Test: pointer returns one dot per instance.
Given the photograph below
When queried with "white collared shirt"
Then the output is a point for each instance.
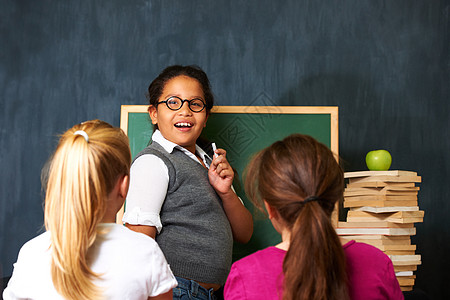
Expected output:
(149, 180)
(142, 273)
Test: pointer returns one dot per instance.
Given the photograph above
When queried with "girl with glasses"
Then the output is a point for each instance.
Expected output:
(182, 196)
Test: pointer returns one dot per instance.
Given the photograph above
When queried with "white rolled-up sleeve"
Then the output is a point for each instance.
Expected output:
(149, 179)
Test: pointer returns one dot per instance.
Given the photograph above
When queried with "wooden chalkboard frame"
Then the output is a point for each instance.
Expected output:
(332, 111)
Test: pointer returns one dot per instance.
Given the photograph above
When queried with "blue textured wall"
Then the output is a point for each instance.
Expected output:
(384, 63)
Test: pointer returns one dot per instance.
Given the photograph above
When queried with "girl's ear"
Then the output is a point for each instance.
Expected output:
(273, 213)
(153, 113)
(124, 183)
(116, 199)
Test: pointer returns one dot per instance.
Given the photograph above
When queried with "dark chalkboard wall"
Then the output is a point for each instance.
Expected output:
(384, 63)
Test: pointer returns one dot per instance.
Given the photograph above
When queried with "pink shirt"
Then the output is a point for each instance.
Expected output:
(260, 275)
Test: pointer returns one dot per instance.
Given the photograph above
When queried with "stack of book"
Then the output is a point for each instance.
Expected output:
(383, 208)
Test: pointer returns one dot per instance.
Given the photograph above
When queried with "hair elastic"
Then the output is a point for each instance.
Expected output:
(83, 134)
(310, 199)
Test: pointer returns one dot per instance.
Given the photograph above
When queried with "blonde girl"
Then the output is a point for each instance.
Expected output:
(84, 254)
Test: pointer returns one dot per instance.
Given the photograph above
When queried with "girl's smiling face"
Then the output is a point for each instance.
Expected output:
(182, 126)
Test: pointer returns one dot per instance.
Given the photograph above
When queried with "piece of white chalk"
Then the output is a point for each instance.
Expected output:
(214, 149)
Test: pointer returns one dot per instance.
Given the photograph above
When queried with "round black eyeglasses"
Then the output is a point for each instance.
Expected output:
(175, 103)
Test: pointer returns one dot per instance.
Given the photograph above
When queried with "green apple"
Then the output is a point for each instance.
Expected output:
(378, 160)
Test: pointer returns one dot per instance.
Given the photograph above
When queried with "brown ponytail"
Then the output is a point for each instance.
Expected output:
(286, 174)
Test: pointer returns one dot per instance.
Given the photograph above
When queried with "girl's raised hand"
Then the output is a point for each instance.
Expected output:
(221, 178)
(220, 173)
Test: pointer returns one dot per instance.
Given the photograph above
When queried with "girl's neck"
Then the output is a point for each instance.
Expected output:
(283, 245)
(191, 149)
(108, 218)
(285, 237)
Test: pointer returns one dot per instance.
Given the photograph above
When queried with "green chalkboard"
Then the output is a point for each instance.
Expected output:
(242, 131)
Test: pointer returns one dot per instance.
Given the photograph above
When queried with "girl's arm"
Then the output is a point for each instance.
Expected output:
(221, 178)
(149, 179)
(145, 229)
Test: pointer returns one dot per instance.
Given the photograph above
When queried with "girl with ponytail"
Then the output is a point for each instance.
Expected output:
(298, 182)
(84, 254)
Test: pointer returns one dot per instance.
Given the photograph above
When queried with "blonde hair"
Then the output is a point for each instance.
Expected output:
(82, 172)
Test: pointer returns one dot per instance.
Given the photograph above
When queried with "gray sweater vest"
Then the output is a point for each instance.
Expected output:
(196, 236)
